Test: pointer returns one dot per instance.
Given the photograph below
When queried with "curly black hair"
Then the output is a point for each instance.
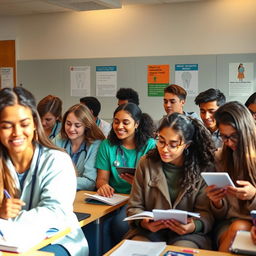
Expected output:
(128, 94)
(144, 131)
(199, 156)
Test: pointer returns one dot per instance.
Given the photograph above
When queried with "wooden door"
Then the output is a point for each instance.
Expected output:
(8, 57)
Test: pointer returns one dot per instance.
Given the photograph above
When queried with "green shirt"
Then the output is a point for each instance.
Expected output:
(108, 153)
(174, 175)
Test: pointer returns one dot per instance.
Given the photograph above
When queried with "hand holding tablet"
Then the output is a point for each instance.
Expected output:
(220, 179)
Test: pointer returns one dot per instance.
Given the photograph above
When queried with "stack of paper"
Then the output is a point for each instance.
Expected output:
(114, 200)
(131, 248)
(16, 237)
(157, 214)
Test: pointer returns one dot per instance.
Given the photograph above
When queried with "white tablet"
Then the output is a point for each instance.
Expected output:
(220, 179)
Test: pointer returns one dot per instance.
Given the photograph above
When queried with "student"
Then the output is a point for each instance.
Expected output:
(130, 138)
(174, 100)
(232, 205)
(81, 137)
(168, 177)
(39, 177)
(251, 105)
(125, 95)
(94, 105)
(49, 109)
(209, 101)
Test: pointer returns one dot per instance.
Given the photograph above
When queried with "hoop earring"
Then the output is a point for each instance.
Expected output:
(186, 152)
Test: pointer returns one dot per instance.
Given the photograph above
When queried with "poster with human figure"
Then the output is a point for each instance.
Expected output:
(241, 79)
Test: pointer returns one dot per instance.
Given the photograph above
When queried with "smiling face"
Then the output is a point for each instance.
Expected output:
(229, 136)
(207, 111)
(124, 125)
(172, 103)
(74, 128)
(170, 146)
(17, 129)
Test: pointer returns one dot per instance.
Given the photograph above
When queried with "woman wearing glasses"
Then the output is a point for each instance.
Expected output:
(232, 205)
(168, 177)
(81, 137)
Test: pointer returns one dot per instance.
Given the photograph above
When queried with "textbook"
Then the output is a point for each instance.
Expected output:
(114, 200)
(137, 248)
(17, 237)
(243, 244)
(156, 214)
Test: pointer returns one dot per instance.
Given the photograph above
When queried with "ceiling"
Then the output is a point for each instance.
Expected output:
(27, 7)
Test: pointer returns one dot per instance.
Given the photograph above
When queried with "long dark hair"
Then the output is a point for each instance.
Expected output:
(240, 163)
(199, 155)
(145, 128)
(11, 97)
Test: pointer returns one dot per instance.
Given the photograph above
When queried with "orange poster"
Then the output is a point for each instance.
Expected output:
(158, 79)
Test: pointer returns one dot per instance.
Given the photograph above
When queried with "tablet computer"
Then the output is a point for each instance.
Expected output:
(129, 170)
(220, 179)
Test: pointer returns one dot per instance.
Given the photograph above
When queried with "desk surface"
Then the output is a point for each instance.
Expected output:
(179, 249)
(33, 251)
(96, 210)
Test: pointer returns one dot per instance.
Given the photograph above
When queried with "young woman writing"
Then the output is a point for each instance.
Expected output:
(81, 137)
(39, 178)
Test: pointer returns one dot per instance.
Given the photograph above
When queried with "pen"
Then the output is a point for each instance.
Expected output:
(190, 250)
(7, 195)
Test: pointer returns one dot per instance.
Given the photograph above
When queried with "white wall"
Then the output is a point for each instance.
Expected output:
(208, 27)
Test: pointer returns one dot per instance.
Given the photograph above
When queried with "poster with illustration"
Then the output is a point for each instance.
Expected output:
(186, 75)
(241, 79)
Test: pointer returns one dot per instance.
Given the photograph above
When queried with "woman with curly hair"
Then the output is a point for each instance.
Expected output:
(232, 205)
(130, 138)
(168, 177)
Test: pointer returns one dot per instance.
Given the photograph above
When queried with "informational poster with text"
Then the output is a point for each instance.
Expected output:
(186, 75)
(80, 81)
(158, 79)
(241, 79)
(6, 77)
(106, 81)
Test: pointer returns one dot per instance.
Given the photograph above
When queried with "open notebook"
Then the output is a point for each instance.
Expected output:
(16, 237)
(243, 244)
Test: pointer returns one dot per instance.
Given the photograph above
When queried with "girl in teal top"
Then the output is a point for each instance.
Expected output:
(130, 138)
(81, 137)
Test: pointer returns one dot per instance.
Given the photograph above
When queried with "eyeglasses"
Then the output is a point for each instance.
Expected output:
(171, 147)
(232, 137)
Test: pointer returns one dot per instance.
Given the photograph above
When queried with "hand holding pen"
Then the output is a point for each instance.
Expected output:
(10, 207)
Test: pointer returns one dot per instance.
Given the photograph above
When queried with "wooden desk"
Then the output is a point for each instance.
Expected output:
(179, 249)
(97, 212)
